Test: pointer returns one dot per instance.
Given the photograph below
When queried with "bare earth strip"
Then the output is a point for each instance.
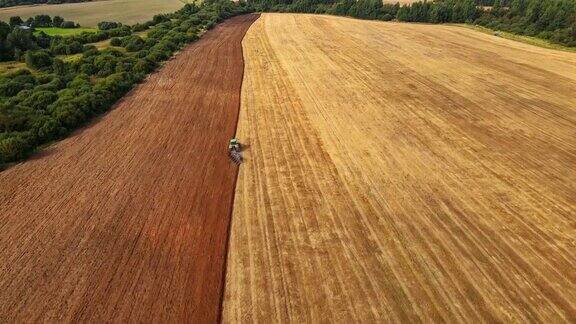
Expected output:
(89, 14)
(128, 219)
(402, 173)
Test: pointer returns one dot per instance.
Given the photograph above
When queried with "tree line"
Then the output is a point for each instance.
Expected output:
(56, 97)
(554, 20)
(42, 21)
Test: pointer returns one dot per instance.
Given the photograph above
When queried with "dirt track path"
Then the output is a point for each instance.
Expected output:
(128, 219)
(402, 172)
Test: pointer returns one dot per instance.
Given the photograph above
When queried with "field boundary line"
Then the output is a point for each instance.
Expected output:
(231, 213)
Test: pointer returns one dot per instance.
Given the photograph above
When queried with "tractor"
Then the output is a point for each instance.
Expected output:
(234, 145)
(235, 151)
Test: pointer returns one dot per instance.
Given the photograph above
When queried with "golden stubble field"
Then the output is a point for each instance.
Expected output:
(400, 172)
(89, 14)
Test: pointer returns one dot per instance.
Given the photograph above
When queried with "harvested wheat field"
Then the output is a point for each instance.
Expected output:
(403, 173)
(89, 14)
(128, 219)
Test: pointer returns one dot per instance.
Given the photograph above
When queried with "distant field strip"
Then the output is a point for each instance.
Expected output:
(402, 172)
(89, 14)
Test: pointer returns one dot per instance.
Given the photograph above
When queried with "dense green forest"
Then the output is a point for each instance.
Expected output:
(12, 3)
(57, 96)
(554, 20)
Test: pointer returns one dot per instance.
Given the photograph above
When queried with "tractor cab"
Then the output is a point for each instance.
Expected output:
(234, 145)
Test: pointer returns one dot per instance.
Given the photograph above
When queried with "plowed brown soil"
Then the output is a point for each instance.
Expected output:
(128, 219)
(402, 173)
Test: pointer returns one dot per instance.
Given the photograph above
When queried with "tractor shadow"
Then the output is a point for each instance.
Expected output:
(244, 147)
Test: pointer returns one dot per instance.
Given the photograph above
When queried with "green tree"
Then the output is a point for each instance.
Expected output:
(20, 39)
(16, 21)
(57, 21)
(4, 31)
(13, 148)
(38, 59)
(42, 21)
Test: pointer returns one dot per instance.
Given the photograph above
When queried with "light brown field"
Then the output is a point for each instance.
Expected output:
(404, 173)
(89, 14)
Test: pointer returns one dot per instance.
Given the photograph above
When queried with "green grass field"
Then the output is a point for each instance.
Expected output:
(53, 31)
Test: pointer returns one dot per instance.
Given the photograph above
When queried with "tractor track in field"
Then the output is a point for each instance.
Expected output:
(128, 219)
